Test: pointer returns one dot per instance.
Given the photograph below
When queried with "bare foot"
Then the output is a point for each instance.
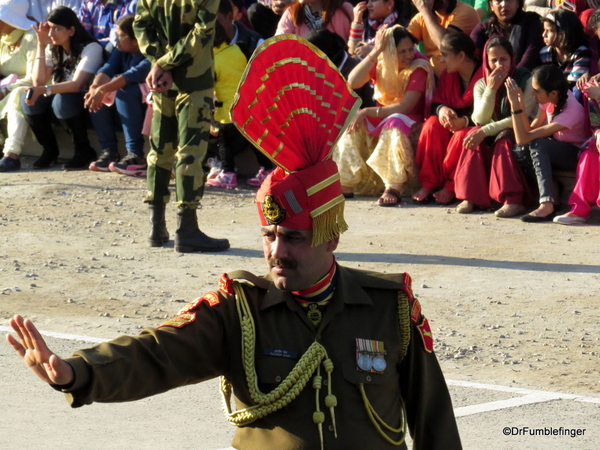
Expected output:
(444, 196)
(390, 197)
(422, 194)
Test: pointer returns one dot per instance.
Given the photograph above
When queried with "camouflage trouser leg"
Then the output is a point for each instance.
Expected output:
(179, 137)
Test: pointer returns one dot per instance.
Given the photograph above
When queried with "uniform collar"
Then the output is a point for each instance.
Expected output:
(348, 291)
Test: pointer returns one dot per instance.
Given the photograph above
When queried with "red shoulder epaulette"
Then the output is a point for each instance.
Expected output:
(225, 284)
(187, 315)
(417, 317)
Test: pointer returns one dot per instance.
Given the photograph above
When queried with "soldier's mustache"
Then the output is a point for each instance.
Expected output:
(284, 263)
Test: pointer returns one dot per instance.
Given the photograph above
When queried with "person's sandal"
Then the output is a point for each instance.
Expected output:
(391, 192)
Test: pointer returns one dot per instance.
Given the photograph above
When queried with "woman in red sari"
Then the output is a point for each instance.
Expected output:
(487, 170)
(452, 104)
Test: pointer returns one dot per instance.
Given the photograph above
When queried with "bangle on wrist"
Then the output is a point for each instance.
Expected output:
(48, 92)
(518, 111)
(40, 57)
(377, 111)
(374, 61)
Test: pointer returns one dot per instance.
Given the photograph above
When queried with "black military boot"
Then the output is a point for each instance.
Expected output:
(84, 154)
(188, 238)
(158, 226)
(41, 125)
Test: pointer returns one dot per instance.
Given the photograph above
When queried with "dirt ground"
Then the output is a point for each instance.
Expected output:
(509, 302)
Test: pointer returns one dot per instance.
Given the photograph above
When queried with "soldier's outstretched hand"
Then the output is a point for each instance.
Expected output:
(35, 353)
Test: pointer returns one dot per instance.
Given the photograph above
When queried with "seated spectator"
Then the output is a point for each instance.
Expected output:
(17, 56)
(453, 106)
(592, 31)
(68, 57)
(335, 48)
(230, 64)
(586, 193)
(368, 17)
(264, 15)
(523, 30)
(122, 79)
(486, 169)
(237, 34)
(554, 136)
(376, 149)
(39, 9)
(436, 18)
(98, 17)
(566, 46)
(308, 15)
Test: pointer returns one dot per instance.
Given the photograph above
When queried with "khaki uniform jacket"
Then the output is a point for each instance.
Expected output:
(178, 35)
(365, 305)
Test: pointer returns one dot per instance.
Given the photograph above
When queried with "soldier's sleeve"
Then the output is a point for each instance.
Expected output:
(198, 38)
(191, 347)
(426, 398)
(149, 35)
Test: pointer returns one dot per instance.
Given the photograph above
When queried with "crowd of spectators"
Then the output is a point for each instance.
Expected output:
(472, 101)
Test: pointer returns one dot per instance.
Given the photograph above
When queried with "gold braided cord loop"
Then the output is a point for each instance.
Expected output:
(404, 319)
(289, 388)
(378, 421)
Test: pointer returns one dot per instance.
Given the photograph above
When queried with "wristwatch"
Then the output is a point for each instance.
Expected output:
(48, 91)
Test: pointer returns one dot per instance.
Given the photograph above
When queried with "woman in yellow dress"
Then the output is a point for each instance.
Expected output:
(376, 150)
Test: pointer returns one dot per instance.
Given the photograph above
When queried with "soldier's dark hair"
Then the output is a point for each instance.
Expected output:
(125, 23)
(551, 78)
(459, 42)
(67, 18)
(225, 7)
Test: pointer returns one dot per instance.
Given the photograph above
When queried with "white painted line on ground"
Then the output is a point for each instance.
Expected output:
(503, 404)
(71, 337)
(530, 396)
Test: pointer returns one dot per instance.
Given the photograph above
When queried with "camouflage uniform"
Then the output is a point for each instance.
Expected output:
(178, 35)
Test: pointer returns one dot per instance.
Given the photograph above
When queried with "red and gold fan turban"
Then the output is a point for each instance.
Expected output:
(293, 105)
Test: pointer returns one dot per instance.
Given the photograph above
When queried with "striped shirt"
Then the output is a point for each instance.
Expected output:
(573, 67)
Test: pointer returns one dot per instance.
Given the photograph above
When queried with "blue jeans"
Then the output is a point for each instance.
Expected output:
(130, 111)
(64, 106)
(547, 154)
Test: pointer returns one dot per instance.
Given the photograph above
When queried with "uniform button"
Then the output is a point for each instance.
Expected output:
(368, 378)
(330, 427)
(278, 378)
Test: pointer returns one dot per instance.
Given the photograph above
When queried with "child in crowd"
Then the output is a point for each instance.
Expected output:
(68, 57)
(587, 185)
(230, 64)
(566, 46)
(122, 80)
(555, 135)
